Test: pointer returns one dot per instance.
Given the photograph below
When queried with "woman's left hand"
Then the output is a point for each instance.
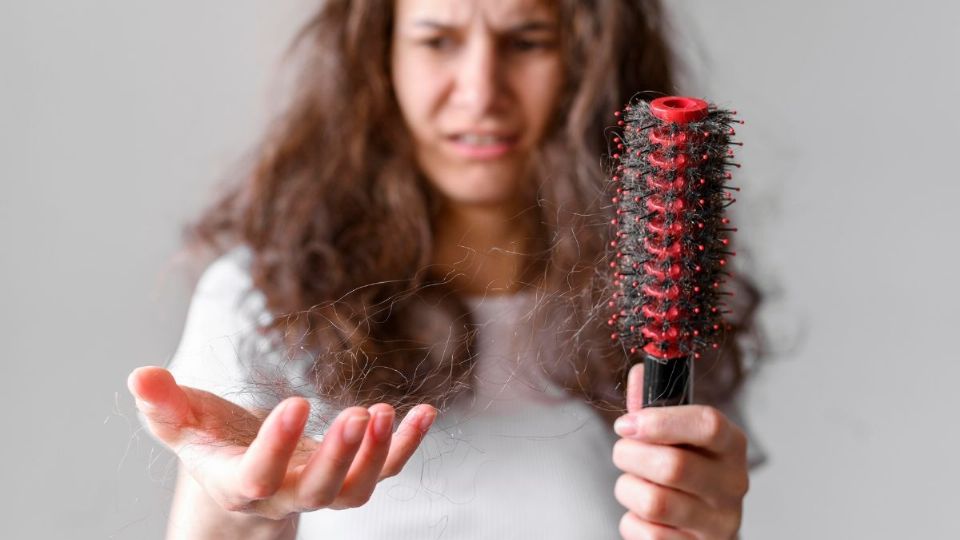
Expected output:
(685, 470)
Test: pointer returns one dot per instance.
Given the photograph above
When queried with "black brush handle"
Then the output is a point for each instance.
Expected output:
(667, 382)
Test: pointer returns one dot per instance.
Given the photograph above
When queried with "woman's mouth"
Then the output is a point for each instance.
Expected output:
(482, 145)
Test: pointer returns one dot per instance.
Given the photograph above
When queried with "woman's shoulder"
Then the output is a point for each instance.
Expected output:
(228, 274)
(226, 286)
(221, 349)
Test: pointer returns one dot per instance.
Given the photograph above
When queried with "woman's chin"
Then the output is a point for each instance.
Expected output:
(468, 190)
(482, 196)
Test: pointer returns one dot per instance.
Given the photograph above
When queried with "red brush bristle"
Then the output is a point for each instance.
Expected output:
(671, 163)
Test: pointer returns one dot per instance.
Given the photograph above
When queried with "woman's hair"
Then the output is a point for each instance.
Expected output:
(339, 218)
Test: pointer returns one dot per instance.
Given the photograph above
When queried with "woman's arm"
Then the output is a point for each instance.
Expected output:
(249, 466)
(194, 515)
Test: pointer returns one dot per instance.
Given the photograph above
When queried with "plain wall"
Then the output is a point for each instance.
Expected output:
(118, 118)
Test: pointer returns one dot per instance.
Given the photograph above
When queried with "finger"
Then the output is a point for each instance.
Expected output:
(365, 471)
(635, 388)
(163, 403)
(678, 468)
(696, 425)
(264, 465)
(405, 442)
(662, 506)
(634, 528)
(322, 477)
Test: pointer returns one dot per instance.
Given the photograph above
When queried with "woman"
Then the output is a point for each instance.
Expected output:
(420, 235)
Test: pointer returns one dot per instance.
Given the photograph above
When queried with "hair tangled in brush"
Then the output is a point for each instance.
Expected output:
(672, 235)
(339, 218)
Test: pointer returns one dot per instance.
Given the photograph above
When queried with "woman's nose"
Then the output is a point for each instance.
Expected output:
(478, 83)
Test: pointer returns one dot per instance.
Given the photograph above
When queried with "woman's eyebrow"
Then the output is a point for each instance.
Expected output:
(532, 26)
(427, 23)
(526, 26)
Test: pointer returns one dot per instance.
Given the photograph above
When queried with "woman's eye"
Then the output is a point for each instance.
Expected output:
(438, 43)
(524, 45)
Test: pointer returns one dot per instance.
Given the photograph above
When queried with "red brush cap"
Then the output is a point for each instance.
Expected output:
(678, 109)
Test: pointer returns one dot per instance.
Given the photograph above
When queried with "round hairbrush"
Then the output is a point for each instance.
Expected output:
(671, 168)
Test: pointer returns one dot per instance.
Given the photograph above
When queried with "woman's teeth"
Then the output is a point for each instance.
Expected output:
(481, 140)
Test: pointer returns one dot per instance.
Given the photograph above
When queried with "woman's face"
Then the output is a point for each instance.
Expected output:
(477, 82)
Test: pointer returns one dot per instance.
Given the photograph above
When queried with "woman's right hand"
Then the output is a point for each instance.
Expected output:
(267, 467)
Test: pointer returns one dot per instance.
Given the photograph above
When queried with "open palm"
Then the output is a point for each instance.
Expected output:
(259, 462)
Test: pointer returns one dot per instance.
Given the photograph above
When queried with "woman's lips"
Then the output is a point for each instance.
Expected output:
(482, 146)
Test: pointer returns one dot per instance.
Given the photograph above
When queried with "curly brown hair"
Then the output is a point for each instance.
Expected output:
(339, 218)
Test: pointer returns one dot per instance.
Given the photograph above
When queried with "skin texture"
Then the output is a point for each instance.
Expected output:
(685, 470)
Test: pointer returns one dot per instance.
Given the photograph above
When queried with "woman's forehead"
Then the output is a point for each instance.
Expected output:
(495, 13)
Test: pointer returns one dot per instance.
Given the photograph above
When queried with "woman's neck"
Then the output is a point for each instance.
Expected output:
(486, 249)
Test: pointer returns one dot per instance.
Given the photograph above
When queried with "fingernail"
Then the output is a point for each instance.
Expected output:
(289, 419)
(145, 406)
(425, 420)
(353, 430)
(625, 427)
(382, 425)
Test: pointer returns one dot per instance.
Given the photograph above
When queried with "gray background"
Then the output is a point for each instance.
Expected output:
(118, 117)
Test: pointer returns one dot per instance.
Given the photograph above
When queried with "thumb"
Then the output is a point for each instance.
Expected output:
(164, 404)
(635, 388)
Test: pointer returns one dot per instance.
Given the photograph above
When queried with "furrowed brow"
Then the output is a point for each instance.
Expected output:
(526, 26)
(531, 26)
(433, 25)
